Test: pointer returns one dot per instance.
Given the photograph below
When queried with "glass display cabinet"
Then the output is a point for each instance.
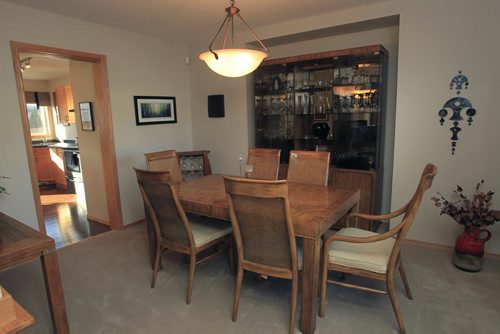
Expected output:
(329, 101)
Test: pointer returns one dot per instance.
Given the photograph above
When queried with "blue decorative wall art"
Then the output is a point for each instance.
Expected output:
(455, 107)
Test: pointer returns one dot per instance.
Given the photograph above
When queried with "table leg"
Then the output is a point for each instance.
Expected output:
(310, 283)
(55, 294)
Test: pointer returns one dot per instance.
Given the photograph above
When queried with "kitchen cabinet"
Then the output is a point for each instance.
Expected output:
(57, 158)
(65, 104)
(43, 165)
(194, 164)
(330, 101)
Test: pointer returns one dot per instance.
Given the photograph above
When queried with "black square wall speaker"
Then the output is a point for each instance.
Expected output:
(215, 105)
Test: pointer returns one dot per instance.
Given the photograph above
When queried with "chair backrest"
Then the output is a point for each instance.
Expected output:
(308, 167)
(262, 225)
(163, 207)
(265, 162)
(425, 183)
(165, 161)
(411, 210)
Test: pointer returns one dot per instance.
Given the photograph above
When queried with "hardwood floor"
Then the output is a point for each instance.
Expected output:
(66, 217)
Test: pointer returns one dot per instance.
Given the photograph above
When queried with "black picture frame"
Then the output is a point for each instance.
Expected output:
(155, 110)
(86, 116)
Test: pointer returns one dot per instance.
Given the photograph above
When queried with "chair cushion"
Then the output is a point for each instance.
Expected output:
(207, 229)
(373, 256)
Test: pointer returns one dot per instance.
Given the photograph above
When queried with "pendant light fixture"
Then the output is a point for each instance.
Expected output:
(233, 62)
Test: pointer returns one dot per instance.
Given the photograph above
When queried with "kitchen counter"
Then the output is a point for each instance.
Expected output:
(66, 146)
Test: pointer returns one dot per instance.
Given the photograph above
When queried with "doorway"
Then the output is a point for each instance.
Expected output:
(103, 136)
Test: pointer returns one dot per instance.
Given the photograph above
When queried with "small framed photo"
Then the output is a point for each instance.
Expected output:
(154, 110)
(86, 116)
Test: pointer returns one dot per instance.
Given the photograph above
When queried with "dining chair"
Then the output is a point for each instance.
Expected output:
(369, 254)
(263, 233)
(309, 167)
(265, 163)
(174, 230)
(165, 161)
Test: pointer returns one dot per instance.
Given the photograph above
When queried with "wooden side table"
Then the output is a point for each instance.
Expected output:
(20, 244)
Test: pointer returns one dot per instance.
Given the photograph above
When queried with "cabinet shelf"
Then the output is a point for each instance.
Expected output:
(347, 85)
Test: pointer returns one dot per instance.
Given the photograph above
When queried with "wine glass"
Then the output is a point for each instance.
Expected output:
(248, 171)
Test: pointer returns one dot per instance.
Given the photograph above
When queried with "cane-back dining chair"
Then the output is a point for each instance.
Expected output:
(165, 161)
(308, 167)
(263, 233)
(265, 162)
(369, 254)
(175, 230)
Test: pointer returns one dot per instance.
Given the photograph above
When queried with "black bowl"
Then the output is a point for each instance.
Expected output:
(321, 130)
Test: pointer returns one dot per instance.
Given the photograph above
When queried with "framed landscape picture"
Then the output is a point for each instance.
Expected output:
(86, 116)
(154, 110)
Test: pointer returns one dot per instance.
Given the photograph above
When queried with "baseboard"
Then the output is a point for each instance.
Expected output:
(98, 220)
(440, 246)
(141, 221)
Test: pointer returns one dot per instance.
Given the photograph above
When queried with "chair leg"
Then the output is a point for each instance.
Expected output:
(156, 265)
(237, 291)
(293, 306)
(392, 296)
(405, 281)
(192, 265)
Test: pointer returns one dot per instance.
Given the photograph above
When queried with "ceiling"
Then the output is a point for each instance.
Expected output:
(45, 67)
(186, 20)
(196, 19)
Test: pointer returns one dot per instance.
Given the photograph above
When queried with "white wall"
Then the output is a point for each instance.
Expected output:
(82, 78)
(436, 39)
(133, 69)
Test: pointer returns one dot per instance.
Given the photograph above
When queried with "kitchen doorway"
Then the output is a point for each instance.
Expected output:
(71, 203)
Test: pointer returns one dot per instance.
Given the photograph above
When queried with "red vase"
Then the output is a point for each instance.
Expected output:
(472, 241)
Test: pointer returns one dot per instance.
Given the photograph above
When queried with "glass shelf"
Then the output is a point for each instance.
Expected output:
(344, 90)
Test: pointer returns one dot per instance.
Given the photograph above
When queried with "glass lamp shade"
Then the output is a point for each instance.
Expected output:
(233, 62)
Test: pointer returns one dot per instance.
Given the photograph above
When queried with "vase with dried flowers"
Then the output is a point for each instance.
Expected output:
(474, 214)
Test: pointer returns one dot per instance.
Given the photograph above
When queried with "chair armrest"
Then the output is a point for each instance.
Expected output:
(389, 234)
(376, 217)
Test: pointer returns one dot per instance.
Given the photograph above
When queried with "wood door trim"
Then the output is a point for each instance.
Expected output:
(102, 101)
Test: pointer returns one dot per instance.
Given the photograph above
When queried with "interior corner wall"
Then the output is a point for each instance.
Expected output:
(388, 37)
(227, 137)
(133, 69)
(437, 40)
(89, 144)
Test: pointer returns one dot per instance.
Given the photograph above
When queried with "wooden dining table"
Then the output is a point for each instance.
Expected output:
(20, 244)
(314, 210)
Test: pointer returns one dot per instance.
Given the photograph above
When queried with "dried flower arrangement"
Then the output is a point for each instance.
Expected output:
(472, 213)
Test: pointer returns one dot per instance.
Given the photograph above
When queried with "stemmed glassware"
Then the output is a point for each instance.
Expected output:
(248, 171)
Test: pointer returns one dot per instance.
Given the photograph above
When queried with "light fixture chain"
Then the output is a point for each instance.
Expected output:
(215, 37)
(224, 39)
(232, 29)
(254, 34)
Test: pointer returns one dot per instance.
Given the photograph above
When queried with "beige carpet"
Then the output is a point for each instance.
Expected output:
(57, 198)
(106, 283)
